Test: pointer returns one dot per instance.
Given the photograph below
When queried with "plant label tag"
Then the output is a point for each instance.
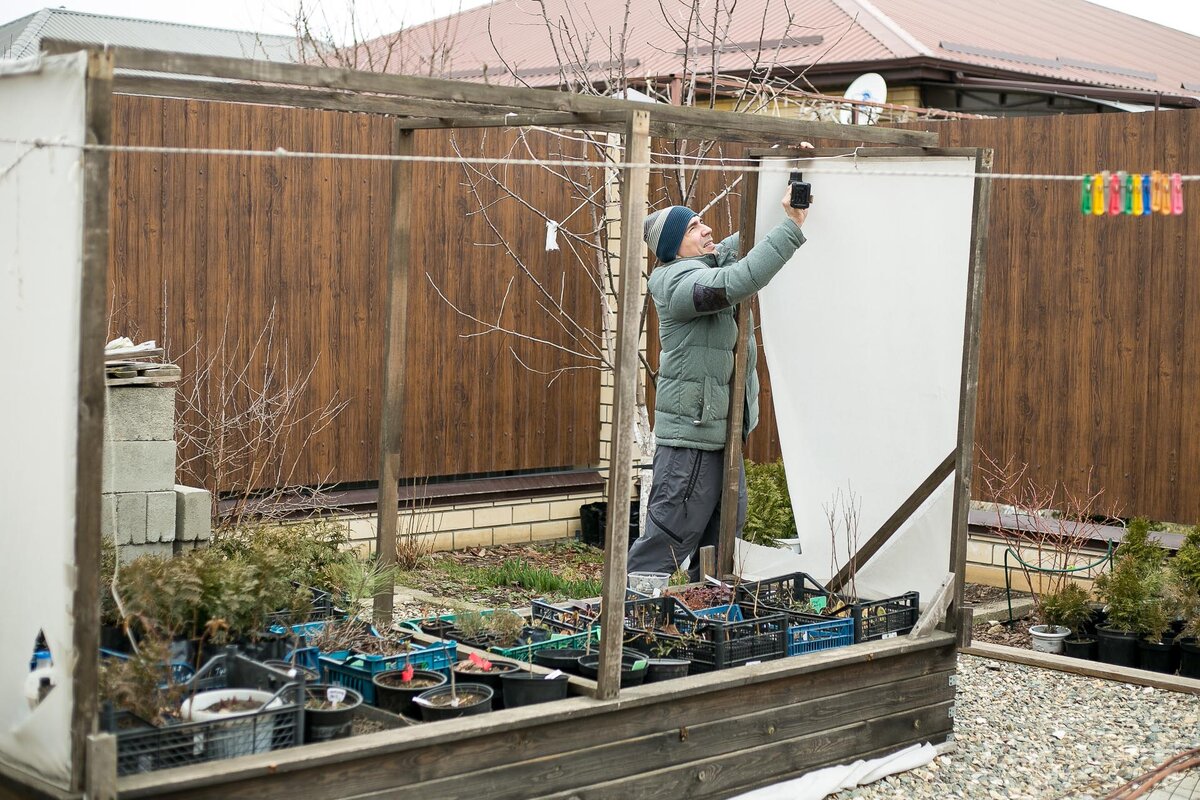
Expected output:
(557, 673)
(891, 635)
(335, 694)
(422, 701)
(751, 663)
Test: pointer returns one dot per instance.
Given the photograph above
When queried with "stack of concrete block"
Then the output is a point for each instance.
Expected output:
(140, 504)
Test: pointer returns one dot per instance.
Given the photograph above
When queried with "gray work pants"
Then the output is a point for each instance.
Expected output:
(685, 510)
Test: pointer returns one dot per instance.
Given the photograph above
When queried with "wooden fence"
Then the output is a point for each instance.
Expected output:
(265, 279)
(1087, 366)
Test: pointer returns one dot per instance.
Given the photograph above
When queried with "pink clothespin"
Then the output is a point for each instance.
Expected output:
(1176, 193)
(1114, 194)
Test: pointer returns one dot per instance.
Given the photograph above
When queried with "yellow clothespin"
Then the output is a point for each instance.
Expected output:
(1099, 185)
(1137, 195)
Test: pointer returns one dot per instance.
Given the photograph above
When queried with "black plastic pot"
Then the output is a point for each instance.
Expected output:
(1116, 647)
(475, 699)
(1099, 617)
(664, 669)
(566, 659)
(1083, 647)
(491, 678)
(1189, 658)
(324, 724)
(589, 667)
(439, 628)
(394, 695)
(1158, 656)
(524, 689)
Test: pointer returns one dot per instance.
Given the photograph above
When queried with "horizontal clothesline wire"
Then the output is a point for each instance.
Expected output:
(533, 162)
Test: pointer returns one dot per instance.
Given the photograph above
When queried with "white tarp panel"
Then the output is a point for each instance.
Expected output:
(863, 332)
(41, 240)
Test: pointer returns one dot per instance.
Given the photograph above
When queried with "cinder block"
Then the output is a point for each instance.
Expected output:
(129, 553)
(160, 516)
(130, 518)
(138, 467)
(108, 510)
(139, 414)
(193, 514)
(473, 538)
(565, 509)
(513, 534)
(457, 520)
(979, 552)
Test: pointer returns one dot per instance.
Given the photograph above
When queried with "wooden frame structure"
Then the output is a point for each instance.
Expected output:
(708, 735)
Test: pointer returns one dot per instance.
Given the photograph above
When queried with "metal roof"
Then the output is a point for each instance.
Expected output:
(1071, 41)
(22, 37)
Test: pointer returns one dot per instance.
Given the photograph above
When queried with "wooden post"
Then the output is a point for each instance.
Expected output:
(708, 562)
(634, 195)
(101, 767)
(969, 389)
(90, 435)
(737, 387)
(391, 423)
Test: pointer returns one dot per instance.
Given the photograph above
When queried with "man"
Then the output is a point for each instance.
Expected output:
(695, 288)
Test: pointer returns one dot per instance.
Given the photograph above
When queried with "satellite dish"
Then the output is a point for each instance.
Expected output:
(870, 88)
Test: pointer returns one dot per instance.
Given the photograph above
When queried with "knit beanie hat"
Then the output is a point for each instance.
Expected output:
(664, 230)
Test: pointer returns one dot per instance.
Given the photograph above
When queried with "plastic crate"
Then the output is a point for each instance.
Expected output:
(794, 594)
(561, 641)
(819, 635)
(320, 607)
(144, 748)
(709, 643)
(730, 613)
(355, 671)
(574, 616)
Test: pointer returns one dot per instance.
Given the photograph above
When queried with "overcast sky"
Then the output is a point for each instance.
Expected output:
(382, 16)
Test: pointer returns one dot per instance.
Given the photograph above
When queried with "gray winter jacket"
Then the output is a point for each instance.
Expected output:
(695, 300)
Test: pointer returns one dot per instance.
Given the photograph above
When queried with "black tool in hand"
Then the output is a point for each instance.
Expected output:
(801, 191)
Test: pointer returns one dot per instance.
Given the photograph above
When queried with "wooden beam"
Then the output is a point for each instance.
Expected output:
(1080, 666)
(969, 389)
(102, 767)
(587, 120)
(89, 443)
(698, 123)
(300, 97)
(893, 523)
(708, 562)
(395, 337)
(737, 386)
(935, 611)
(635, 189)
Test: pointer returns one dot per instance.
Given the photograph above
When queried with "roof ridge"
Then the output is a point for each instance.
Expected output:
(883, 28)
(68, 11)
(28, 36)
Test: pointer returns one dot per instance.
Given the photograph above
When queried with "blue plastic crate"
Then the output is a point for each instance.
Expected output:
(355, 672)
(731, 612)
(820, 635)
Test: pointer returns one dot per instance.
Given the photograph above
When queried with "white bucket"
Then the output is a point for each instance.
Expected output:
(1048, 638)
(651, 584)
(245, 732)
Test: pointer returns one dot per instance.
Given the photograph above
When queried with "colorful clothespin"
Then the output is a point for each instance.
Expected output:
(1147, 194)
(1085, 196)
(1136, 192)
(1165, 193)
(1114, 194)
(1126, 193)
(1176, 193)
(1099, 188)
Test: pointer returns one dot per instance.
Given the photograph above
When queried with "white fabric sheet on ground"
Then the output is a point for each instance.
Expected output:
(863, 332)
(41, 245)
(824, 782)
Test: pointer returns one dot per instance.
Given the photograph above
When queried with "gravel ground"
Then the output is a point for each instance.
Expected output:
(1024, 732)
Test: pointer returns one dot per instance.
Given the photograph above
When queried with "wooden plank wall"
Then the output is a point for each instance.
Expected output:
(1088, 360)
(710, 736)
(206, 250)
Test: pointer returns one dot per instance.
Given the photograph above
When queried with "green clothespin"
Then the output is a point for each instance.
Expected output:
(1127, 193)
(1085, 197)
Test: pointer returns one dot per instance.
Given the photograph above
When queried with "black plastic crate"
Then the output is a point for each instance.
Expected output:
(320, 607)
(571, 616)
(709, 643)
(803, 598)
(142, 747)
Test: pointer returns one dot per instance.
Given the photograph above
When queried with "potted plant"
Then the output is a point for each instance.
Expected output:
(329, 712)
(396, 689)
(1063, 614)
(454, 699)
(1128, 589)
(478, 669)
(1183, 589)
(244, 729)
